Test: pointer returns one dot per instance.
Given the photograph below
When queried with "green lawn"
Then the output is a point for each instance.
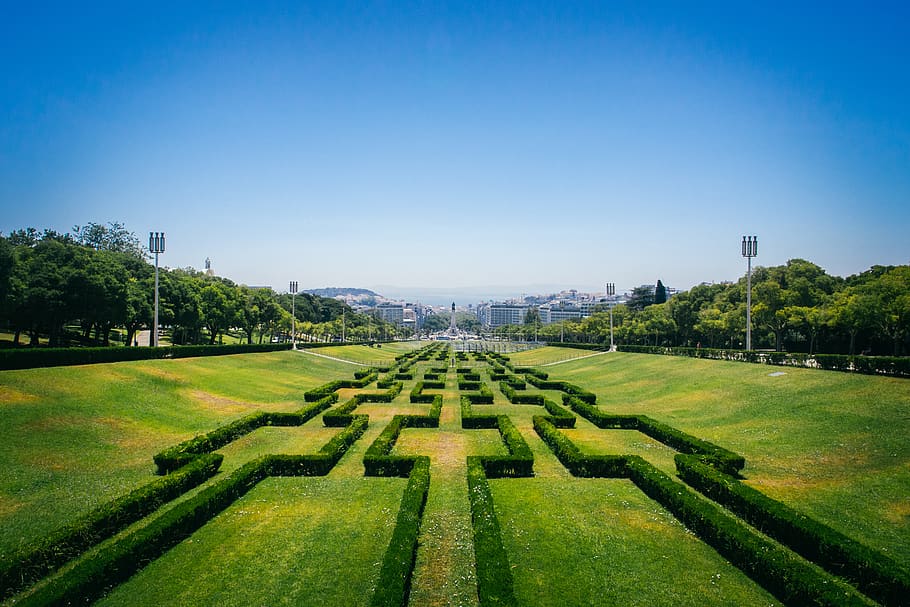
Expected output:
(832, 445)
(613, 546)
(76, 437)
(289, 541)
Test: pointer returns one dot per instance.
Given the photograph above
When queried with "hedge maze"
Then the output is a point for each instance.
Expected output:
(795, 558)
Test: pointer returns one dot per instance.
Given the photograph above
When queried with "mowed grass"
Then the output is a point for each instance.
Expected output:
(603, 542)
(75, 437)
(289, 541)
(833, 445)
(320, 541)
(382, 353)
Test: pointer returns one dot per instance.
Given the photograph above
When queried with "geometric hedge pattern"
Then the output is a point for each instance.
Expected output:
(795, 558)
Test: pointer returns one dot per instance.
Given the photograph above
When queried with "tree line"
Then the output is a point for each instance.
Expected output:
(797, 307)
(84, 286)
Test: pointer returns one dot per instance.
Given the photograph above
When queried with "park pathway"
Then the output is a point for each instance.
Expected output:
(444, 573)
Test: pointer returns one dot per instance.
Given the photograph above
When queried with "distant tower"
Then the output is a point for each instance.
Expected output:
(208, 267)
(452, 328)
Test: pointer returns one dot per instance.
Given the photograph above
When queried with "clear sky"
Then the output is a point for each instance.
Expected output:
(508, 145)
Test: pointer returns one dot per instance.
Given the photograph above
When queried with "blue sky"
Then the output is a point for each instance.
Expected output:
(515, 146)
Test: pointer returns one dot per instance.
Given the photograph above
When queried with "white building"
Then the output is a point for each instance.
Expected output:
(507, 314)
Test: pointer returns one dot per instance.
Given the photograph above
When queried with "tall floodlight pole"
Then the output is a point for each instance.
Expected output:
(750, 250)
(156, 246)
(343, 339)
(293, 288)
(611, 291)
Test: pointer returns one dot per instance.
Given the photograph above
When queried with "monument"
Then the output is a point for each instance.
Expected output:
(453, 330)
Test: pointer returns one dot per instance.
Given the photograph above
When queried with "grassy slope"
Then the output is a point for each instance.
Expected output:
(74, 437)
(774, 421)
(278, 545)
(834, 445)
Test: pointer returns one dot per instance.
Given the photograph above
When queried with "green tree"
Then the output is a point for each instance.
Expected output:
(218, 306)
(641, 298)
(112, 237)
(660, 293)
(890, 296)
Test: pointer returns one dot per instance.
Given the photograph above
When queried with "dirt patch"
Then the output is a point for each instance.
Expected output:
(898, 513)
(10, 396)
(9, 506)
(161, 373)
(219, 404)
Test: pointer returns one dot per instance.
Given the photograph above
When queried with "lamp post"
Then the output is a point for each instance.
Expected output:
(156, 246)
(293, 288)
(611, 291)
(750, 250)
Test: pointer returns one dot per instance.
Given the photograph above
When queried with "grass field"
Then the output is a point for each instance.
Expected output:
(832, 445)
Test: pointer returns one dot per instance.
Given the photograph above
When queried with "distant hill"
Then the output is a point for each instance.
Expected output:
(336, 291)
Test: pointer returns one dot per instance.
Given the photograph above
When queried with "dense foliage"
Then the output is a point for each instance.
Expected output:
(796, 307)
(80, 288)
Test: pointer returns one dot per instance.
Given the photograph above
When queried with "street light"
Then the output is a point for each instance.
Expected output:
(750, 250)
(293, 288)
(156, 245)
(611, 291)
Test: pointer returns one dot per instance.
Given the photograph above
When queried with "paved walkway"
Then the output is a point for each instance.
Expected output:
(559, 362)
(341, 360)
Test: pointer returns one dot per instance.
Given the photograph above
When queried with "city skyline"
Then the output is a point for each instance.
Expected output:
(505, 147)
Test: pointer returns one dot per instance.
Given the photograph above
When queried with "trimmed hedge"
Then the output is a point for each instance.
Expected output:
(559, 417)
(520, 399)
(483, 397)
(520, 460)
(117, 562)
(728, 461)
(341, 416)
(563, 386)
(533, 372)
(394, 584)
(494, 574)
(29, 564)
(472, 421)
(179, 455)
(871, 365)
(872, 572)
(330, 387)
(32, 358)
(568, 454)
(782, 573)
(417, 395)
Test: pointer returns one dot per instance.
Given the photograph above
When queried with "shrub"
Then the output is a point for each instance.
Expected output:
(520, 399)
(394, 584)
(677, 439)
(520, 460)
(33, 562)
(494, 574)
(782, 573)
(330, 387)
(179, 455)
(564, 386)
(116, 562)
(471, 421)
(870, 571)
